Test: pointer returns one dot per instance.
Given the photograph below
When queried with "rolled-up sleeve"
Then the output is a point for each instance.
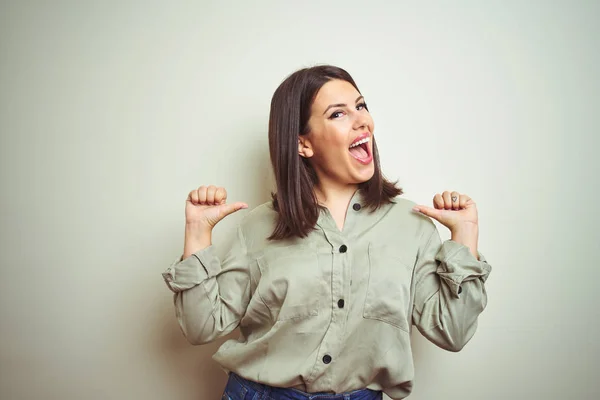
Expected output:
(449, 292)
(211, 295)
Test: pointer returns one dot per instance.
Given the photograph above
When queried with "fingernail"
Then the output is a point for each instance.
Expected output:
(416, 209)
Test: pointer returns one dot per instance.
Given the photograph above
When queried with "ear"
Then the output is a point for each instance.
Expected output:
(304, 147)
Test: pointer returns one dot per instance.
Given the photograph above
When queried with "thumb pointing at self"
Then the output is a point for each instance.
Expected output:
(227, 209)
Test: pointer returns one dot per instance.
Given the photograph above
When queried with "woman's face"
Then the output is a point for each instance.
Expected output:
(340, 138)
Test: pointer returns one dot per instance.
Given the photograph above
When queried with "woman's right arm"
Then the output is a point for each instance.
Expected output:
(211, 296)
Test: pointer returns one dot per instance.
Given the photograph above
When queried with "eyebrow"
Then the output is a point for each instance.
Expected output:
(342, 104)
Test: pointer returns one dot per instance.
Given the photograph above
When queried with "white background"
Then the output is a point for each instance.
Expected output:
(111, 112)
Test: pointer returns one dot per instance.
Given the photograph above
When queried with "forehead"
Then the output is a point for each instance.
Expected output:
(334, 92)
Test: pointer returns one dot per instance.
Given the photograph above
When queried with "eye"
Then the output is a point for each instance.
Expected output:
(360, 106)
(336, 114)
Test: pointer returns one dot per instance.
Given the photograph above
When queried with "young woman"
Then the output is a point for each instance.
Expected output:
(326, 281)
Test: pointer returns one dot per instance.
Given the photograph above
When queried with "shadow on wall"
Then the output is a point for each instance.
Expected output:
(422, 350)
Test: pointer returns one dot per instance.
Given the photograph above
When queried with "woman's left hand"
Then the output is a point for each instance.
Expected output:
(458, 212)
(451, 209)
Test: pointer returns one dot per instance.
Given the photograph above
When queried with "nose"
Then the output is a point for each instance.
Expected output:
(361, 122)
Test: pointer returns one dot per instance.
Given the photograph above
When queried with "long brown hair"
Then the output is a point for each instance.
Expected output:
(295, 200)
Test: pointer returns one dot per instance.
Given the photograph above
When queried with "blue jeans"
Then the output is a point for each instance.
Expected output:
(239, 388)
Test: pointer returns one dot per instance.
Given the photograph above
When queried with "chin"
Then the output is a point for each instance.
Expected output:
(363, 176)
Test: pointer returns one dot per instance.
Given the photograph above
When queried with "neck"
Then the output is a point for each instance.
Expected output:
(334, 195)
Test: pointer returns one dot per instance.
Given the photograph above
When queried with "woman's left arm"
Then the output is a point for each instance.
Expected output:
(449, 277)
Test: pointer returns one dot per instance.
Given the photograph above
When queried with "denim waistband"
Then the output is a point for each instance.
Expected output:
(239, 387)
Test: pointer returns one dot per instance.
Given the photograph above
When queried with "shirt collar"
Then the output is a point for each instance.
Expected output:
(326, 221)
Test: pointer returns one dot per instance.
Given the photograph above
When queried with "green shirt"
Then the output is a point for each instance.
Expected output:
(331, 312)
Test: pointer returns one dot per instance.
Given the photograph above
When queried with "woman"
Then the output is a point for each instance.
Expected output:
(326, 281)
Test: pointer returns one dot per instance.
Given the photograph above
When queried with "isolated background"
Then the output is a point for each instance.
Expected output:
(111, 112)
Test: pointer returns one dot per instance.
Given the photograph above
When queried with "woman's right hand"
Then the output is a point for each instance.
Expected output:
(207, 205)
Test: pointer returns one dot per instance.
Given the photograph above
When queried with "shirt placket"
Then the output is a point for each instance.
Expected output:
(340, 289)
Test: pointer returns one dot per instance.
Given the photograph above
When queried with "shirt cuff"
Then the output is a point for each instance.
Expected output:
(185, 274)
(458, 265)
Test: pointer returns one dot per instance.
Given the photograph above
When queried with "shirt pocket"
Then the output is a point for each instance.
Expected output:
(290, 284)
(388, 289)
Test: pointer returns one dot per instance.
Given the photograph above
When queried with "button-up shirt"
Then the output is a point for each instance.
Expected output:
(331, 312)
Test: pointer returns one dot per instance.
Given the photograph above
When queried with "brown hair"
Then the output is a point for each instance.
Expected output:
(295, 200)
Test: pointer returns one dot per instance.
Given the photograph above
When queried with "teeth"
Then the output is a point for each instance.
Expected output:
(365, 140)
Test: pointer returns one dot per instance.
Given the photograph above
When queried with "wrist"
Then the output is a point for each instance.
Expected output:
(197, 237)
(465, 229)
(197, 229)
(467, 235)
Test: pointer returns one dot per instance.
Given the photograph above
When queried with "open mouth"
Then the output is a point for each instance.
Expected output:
(360, 150)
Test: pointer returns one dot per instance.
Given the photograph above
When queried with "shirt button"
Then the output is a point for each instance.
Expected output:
(356, 206)
(341, 303)
(459, 289)
(326, 358)
(343, 248)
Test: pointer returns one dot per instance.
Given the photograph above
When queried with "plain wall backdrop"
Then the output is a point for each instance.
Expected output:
(111, 112)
